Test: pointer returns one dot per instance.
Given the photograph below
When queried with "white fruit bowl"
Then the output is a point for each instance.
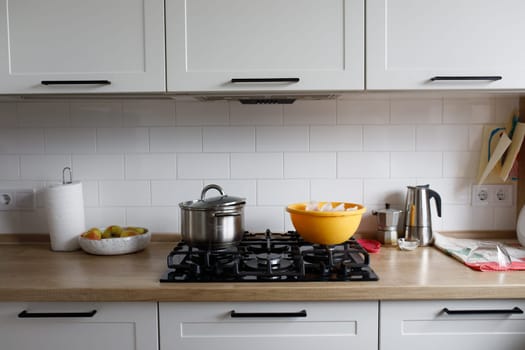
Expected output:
(115, 246)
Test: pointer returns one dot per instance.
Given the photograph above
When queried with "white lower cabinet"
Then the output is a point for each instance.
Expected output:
(452, 324)
(268, 325)
(78, 326)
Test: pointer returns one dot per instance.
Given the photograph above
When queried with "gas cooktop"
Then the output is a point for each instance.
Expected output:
(270, 257)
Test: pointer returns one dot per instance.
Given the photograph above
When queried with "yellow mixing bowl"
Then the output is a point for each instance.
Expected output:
(324, 227)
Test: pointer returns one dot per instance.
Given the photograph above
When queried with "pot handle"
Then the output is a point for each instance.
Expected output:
(210, 187)
(222, 215)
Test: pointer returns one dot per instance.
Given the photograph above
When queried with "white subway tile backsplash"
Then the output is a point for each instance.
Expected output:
(122, 140)
(238, 188)
(125, 193)
(282, 139)
(380, 191)
(70, 140)
(171, 193)
(265, 114)
(43, 114)
(442, 138)
(336, 138)
(416, 164)
(363, 165)
(22, 141)
(420, 111)
(468, 111)
(363, 112)
(96, 113)
(10, 167)
(505, 218)
(43, 167)
(505, 108)
(138, 159)
(150, 166)
(8, 115)
(156, 219)
(282, 192)
(475, 137)
(262, 218)
(389, 138)
(257, 166)
(103, 217)
(314, 165)
(148, 113)
(198, 113)
(179, 139)
(460, 164)
(337, 190)
(203, 165)
(229, 139)
(90, 193)
(98, 166)
(310, 112)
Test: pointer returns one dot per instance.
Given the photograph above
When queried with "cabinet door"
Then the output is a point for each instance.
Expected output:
(73, 326)
(268, 325)
(453, 325)
(467, 44)
(318, 42)
(96, 46)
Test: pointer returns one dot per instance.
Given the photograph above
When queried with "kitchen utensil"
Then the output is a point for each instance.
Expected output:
(418, 222)
(387, 221)
(326, 227)
(212, 223)
(406, 244)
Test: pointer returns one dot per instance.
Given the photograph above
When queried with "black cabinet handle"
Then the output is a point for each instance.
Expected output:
(515, 310)
(465, 77)
(75, 82)
(301, 313)
(265, 80)
(25, 314)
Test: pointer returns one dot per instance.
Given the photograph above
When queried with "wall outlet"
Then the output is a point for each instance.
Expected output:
(492, 195)
(17, 199)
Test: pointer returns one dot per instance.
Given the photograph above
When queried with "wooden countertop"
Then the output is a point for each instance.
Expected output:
(32, 272)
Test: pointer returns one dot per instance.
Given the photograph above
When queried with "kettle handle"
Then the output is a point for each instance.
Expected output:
(437, 198)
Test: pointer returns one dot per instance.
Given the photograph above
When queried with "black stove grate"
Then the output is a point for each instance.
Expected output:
(270, 257)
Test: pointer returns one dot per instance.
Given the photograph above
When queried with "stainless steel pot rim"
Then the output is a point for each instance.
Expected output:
(198, 205)
(214, 203)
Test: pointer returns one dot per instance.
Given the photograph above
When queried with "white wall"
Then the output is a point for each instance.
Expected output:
(138, 159)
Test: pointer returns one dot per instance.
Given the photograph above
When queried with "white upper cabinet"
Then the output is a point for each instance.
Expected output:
(72, 46)
(292, 45)
(446, 44)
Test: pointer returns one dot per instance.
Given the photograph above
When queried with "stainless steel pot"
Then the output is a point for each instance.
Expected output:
(212, 223)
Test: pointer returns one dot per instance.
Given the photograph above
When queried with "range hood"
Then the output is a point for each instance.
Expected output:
(261, 98)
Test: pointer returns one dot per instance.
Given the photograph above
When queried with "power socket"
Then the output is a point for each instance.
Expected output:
(17, 199)
(492, 195)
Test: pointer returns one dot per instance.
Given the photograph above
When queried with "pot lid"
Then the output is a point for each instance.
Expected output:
(218, 202)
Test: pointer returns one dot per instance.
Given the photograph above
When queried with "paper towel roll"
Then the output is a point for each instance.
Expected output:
(65, 215)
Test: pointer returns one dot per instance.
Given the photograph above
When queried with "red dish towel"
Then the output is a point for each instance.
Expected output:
(370, 245)
(494, 266)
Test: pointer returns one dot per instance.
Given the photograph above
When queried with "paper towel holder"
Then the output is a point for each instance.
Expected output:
(70, 175)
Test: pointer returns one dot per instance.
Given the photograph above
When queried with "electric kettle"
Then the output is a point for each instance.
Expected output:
(418, 222)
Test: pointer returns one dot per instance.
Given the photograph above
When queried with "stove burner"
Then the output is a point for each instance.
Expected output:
(270, 257)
